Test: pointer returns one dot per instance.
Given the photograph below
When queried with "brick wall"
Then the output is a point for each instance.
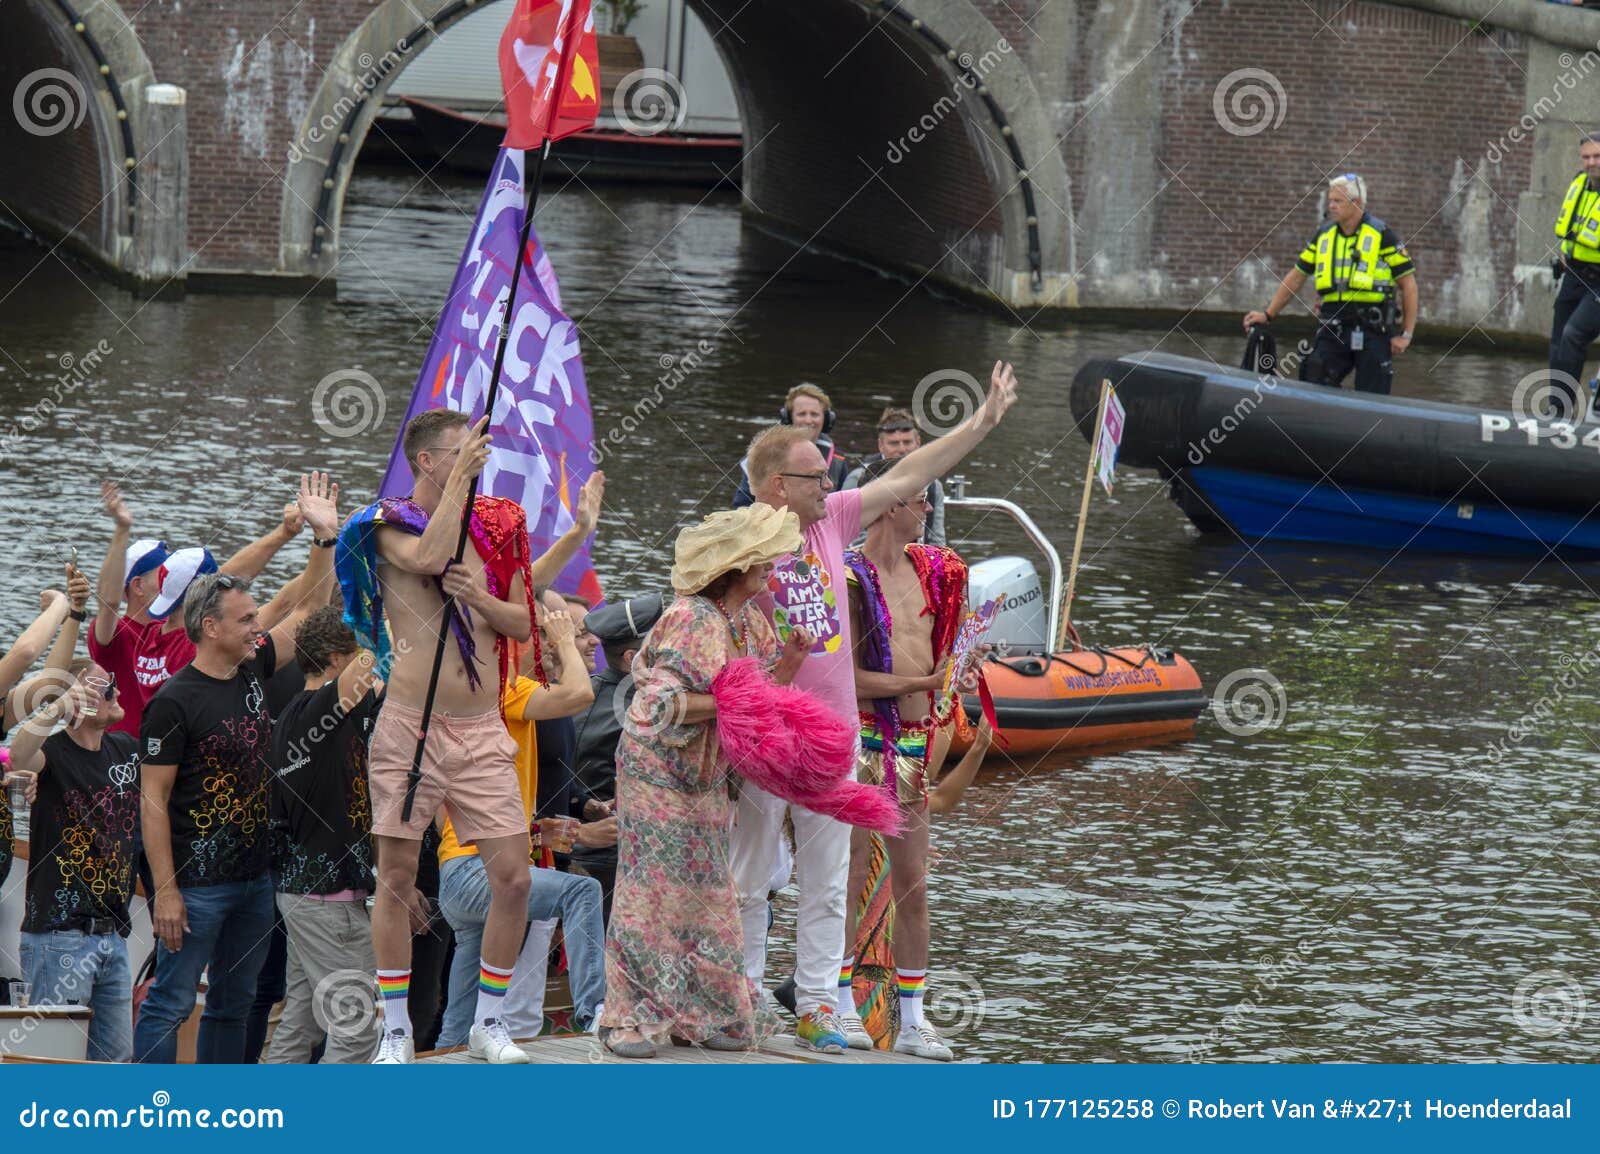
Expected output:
(1407, 99)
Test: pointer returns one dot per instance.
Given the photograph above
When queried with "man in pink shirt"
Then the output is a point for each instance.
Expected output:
(146, 645)
(788, 472)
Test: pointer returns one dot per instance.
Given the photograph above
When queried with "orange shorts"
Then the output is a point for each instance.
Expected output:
(468, 766)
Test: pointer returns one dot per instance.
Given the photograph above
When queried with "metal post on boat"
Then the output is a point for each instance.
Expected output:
(957, 496)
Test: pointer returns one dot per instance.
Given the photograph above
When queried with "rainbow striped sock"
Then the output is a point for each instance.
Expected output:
(913, 984)
(395, 988)
(847, 992)
(492, 983)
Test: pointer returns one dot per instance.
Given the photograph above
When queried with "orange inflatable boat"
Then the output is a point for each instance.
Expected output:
(1089, 696)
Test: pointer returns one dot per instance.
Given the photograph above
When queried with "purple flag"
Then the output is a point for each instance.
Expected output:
(542, 428)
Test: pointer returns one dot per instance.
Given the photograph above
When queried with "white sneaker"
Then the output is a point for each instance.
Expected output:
(492, 1042)
(395, 1049)
(924, 1042)
(854, 1032)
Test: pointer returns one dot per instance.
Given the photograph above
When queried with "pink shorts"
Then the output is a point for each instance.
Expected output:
(468, 766)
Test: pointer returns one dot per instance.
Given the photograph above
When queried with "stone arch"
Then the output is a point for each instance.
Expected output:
(74, 75)
(830, 161)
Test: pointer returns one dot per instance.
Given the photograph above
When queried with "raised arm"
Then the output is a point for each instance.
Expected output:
(547, 567)
(916, 471)
(27, 746)
(53, 606)
(437, 545)
(570, 693)
(319, 506)
(60, 655)
(358, 679)
(108, 588)
(252, 559)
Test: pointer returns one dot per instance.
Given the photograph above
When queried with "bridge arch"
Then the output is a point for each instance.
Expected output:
(942, 163)
(74, 74)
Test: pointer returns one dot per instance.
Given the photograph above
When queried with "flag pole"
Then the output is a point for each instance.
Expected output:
(1083, 516)
(531, 181)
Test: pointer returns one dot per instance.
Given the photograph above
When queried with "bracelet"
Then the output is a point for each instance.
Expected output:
(324, 542)
(1405, 336)
(78, 614)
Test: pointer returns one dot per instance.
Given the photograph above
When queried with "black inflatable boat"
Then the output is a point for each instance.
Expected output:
(1273, 459)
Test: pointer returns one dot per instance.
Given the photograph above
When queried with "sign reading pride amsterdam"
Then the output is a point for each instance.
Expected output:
(803, 598)
(541, 425)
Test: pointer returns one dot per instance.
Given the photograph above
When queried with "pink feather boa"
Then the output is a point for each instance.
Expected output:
(790, 744)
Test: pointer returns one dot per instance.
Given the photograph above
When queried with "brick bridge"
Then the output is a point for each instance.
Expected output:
(1147, 154)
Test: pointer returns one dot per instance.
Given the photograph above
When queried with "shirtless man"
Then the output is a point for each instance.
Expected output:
(897, 611)
(469, 762)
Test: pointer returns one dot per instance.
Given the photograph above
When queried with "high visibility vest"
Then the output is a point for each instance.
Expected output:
(1357, 272)
(1579, 232)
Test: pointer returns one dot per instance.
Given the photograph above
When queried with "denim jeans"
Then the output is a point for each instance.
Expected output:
(230, 931)
(464, 900)
(72, 968)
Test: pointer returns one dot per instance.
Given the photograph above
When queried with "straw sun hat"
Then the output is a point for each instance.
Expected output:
(732, 540)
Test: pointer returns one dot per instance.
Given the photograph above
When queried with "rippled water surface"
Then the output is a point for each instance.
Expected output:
(1356, 880)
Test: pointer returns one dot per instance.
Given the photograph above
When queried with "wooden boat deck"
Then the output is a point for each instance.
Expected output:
(582, 1049)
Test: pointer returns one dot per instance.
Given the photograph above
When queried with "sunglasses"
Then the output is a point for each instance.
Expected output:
(228, 581)
(898, 427)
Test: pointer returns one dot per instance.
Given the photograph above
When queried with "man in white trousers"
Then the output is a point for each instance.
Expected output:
(788, 472)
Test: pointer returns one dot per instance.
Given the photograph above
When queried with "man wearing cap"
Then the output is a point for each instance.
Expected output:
(1357, 264)
(145, 646)
(620, 628)
(898, 436)
(787, 471)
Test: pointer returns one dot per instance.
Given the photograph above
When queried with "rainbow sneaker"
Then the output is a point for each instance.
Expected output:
(819, 1030)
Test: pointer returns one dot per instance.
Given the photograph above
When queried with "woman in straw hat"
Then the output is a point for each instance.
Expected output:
(675, 948)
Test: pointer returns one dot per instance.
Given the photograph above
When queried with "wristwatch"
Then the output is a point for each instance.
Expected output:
(78, 614)
(1405, 336)
(324, 542)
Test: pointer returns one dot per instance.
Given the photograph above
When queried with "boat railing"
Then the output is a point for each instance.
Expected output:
(956, 496)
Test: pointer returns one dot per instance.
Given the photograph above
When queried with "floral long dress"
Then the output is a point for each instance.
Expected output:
(675, 947)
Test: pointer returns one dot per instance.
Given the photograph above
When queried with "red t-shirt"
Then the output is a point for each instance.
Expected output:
(142, 657)
(120, 659)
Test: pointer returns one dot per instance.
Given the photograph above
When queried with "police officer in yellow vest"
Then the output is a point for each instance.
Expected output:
(1577, 314)
(1359, 267)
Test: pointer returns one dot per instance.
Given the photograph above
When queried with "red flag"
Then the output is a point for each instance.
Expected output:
(546, 44)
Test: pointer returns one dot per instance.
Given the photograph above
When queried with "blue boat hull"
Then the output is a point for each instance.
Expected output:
(1258, 506)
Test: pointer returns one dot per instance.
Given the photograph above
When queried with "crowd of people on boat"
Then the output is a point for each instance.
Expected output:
(320, 812)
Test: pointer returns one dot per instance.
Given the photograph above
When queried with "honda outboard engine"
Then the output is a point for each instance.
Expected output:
(1024, 620)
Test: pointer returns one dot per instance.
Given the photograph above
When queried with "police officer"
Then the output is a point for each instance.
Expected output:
(1577, 312)
(1357, 265)
(620, 628)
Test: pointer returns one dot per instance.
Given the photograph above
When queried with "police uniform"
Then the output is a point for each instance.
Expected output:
(1356, 277)
(1577, 311)
(599, 727)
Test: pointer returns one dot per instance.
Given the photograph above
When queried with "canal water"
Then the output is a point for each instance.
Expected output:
(1335, 868)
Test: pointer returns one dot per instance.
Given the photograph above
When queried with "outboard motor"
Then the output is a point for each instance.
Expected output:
(1024, 620)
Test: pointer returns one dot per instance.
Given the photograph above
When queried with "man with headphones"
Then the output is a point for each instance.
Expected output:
(806, 407)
